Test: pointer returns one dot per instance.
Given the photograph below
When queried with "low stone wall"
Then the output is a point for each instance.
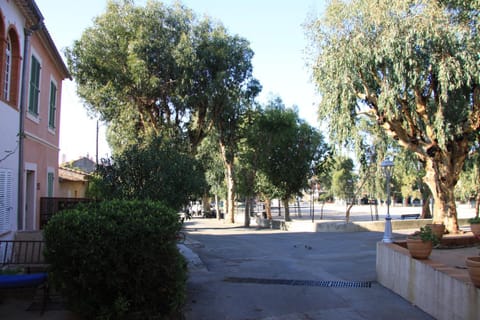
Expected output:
(272, 224)
(444, 292)
(341, 226)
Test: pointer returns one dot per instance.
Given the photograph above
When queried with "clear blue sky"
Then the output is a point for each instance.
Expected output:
(273, 28)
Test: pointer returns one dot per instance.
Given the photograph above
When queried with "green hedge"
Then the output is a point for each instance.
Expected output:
(115, 259)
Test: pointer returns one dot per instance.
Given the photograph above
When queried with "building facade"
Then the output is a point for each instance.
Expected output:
(31, 75)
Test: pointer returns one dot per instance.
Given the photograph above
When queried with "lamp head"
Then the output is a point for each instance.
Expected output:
(387, 167)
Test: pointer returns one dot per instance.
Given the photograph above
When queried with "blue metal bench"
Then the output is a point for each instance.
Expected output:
(410, 216)
(22, 280)
(27, 256)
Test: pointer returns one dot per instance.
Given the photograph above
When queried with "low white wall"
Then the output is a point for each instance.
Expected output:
(342, 226)
(443, 292)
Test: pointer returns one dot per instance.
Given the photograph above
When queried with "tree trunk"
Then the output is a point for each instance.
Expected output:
(299, 210)
(205, 204)
(248, 206)
(477, 198)
(477, 204)
(230, 192)
(217, 207)
(229, 177)
(268, 208)
(347, 212)
(355, 195)
(287, 210)
(426, 213)
(441, 178)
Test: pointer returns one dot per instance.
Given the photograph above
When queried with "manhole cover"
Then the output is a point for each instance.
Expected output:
(311, 283)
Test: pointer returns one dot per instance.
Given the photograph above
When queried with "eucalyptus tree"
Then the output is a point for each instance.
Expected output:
(267, 191)
(247, 162)
(129, 67)
(411, 66)
(321, 180)
(208, 154)
(287, 149)
(469, 184)
(225, 89)
(158, 70)
(343, 179)
(409, 173)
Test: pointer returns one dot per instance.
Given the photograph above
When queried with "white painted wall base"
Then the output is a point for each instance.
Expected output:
(444, 292)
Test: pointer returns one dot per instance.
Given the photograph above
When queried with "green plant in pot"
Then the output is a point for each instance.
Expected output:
(475, 226)
(420, 244)
(438, 229)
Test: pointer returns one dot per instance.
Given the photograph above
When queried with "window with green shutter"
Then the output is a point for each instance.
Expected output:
(50, 178)
(53, 105)
(34, 88)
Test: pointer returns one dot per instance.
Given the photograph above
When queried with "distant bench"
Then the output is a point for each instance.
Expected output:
(410, 216)
(26, 258)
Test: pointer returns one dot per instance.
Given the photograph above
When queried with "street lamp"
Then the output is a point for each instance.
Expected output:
(387, 168)
(313, 184)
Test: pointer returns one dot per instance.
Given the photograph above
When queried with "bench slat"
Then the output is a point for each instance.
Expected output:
(410, 216)
(22, 280)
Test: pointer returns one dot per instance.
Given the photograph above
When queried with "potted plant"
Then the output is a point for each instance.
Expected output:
(420, 244)
(438, 229)
(473, 267)
(475, 226)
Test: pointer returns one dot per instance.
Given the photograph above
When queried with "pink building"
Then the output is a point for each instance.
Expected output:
(31, 75)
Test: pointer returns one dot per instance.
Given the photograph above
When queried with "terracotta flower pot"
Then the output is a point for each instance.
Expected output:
(438, 229)
(419, 249)
(475, 227)
(473, 266)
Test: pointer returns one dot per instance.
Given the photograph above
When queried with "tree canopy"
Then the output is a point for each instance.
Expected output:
(158, 170)
(412, 67)
(343, 179)
(158, 68)
(287, 150)
(157, 71)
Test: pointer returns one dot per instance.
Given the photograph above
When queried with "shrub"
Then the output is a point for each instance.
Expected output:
(156, 170)
(117, 258)
(474, 220)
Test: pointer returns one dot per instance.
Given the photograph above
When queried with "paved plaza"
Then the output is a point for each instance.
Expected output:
(249, 273)
(239, 273)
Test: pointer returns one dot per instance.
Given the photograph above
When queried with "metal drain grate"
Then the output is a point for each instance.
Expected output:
(311, 283)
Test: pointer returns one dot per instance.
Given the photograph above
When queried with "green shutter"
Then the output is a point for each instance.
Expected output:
(50, 179)
(53, 103)
(34, 88)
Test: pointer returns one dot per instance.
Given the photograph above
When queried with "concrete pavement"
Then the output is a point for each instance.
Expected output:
(249, 273)
(240, 273)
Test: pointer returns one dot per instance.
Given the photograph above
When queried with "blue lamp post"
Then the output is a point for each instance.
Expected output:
(387, 168)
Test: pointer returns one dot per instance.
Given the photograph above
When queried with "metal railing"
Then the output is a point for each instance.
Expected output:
(22, 252)
(52, 205)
